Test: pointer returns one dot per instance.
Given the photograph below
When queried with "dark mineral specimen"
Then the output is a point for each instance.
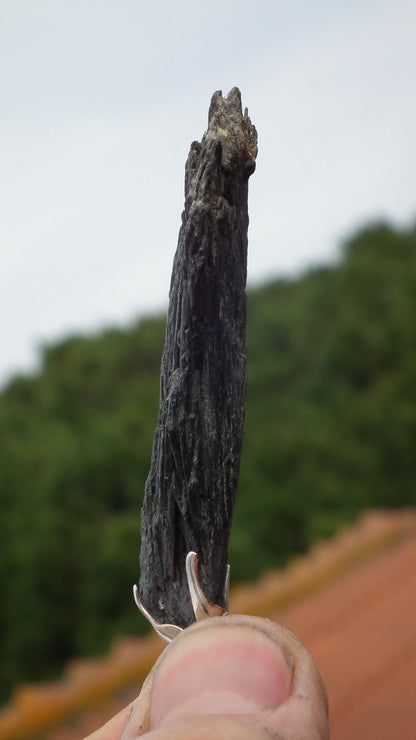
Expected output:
(192, 484)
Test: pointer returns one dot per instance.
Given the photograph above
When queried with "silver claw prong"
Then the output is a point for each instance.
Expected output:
(200, 604)
(166, 631)
(227, 589)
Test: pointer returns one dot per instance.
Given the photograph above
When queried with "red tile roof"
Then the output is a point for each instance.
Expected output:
(361, 630)
(351, 600)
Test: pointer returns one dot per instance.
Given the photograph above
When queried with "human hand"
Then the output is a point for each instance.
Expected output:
(231, 678)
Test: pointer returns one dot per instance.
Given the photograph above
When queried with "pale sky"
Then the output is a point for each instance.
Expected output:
(99, 103)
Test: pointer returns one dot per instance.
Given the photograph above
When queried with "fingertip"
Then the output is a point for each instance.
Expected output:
(246, 675)
(223, 670)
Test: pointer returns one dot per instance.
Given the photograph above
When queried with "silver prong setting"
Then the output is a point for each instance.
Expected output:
(166, 631)
(202, 608)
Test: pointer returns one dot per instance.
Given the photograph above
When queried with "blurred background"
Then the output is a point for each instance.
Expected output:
(100, 100)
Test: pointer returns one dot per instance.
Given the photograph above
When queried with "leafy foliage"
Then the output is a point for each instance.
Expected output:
(331, 419)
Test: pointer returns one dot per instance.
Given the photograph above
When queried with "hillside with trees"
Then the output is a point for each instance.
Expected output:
(330, 430)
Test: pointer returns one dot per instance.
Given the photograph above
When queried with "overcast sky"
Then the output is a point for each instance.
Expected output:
(100, 100)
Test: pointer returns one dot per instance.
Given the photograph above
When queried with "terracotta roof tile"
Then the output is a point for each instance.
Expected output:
(353, 603)
(361, 630)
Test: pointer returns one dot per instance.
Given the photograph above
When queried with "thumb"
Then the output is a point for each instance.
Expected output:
(232, 677)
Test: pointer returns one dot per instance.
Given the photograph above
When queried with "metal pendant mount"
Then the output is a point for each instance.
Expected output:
(200, 604)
